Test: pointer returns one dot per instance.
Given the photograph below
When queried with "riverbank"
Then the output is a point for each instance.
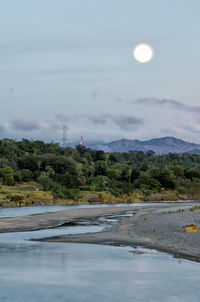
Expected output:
(159, 227)
(31, 194)
(53, 219)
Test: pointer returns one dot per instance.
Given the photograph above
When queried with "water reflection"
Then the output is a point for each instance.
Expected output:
(80, 272)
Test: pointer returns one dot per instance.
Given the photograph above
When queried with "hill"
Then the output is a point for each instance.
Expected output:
(162, 145)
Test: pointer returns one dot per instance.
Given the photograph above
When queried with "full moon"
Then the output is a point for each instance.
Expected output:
(143, 53)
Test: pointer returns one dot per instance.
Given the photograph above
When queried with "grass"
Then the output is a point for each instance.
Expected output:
(27, 194)
(194, 208)
(174, 212)
(24, 194)
(181, 210)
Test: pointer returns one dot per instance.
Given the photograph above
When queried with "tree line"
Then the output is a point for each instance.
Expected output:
(68, 171)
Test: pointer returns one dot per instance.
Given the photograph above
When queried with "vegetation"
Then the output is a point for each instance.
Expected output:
(35, 171)
(180, 211)
(194, 208)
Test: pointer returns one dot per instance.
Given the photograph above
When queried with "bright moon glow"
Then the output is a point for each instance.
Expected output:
(143, 53)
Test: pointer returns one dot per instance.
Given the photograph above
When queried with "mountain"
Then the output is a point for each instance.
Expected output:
(158, 145)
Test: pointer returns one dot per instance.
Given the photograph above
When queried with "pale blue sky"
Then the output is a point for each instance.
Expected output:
(70, 62)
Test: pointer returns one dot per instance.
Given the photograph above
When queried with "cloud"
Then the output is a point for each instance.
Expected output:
(192, 129)
(155, 101)
(169, 132)
(61, 117)
(192, 126)
(24, 125)
(127, 122)
(163, 102)
(101, 119)
(124, 122)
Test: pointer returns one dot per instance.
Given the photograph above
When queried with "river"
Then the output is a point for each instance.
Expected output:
(40, 271)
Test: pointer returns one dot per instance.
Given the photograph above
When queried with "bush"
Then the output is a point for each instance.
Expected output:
(57, 191)
(71, 193)
(27, 175)
(114, 191)
(7, 176)
(16, 197)
(126, 188)
(146, 182)
(192, 173)
(18, 176)
(112, 174)
(45, 182)
(64, 193)
(165, 177)
(85, 188)
(99, 183)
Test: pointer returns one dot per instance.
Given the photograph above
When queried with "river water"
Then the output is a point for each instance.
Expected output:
(39, 271)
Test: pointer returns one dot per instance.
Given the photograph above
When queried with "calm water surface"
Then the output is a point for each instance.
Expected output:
(65, 272)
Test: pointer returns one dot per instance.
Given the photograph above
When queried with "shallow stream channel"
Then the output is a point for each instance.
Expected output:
(50, 272)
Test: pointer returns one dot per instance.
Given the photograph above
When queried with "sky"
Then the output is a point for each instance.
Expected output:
(71, 63)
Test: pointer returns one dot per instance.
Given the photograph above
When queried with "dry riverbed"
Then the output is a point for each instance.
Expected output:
(160, 227)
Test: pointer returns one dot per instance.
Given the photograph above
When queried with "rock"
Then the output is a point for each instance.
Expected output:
(137, 252)
(189, 228)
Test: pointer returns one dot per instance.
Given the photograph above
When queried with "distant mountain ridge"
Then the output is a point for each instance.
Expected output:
(162, 145)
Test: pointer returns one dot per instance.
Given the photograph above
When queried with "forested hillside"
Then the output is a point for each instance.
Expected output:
(69, 172)
(163, 145)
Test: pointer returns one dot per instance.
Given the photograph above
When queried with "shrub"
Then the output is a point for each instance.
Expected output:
(99, 183)
(7, 176)
(64, 193)
(147, 183)
(45, 182)
(27, 175)
(165, 177)
(18, 176)
(16, 197)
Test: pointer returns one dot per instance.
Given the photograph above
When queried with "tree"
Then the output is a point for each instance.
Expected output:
(126, 172)
(27, 175)
(113, 158)
(99, 183)
(45, 182)
(146, 181)
(99, 155)
(192, 173)
(18, 176)
(81, 149)
(165, 177)
(7, 174)
(134, 174)
(100, 167)
(28, 162)
(112, 174)
(177, 170)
